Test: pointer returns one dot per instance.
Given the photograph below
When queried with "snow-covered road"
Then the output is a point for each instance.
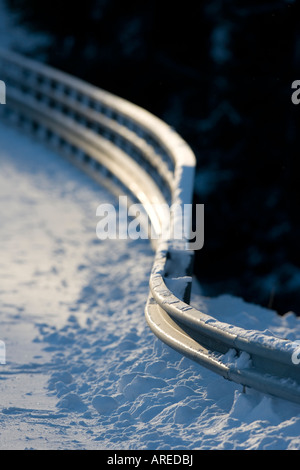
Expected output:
(83, 369)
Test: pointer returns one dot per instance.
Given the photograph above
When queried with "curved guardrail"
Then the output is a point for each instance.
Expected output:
(116, 141)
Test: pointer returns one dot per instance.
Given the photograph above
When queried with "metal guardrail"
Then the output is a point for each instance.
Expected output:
(116, 141)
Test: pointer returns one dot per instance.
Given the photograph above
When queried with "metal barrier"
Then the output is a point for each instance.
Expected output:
(130, 150)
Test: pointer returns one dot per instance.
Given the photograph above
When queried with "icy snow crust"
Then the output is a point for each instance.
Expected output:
(83, 369)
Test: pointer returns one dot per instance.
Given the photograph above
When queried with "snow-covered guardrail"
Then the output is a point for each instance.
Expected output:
(116, 141)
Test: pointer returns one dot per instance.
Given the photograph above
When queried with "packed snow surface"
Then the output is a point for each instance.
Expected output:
(83, 370)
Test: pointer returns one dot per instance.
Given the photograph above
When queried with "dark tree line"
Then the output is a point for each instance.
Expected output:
(220, 72)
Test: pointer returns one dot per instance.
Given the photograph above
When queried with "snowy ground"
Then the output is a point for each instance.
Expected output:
(83, 369)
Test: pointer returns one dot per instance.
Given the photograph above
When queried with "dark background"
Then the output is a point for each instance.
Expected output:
(220, 72)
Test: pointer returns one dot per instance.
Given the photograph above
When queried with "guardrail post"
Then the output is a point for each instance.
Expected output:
(178, 273)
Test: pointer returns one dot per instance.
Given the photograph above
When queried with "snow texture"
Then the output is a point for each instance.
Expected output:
(83, 370)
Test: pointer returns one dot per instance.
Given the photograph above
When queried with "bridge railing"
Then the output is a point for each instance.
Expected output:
(130, 150)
